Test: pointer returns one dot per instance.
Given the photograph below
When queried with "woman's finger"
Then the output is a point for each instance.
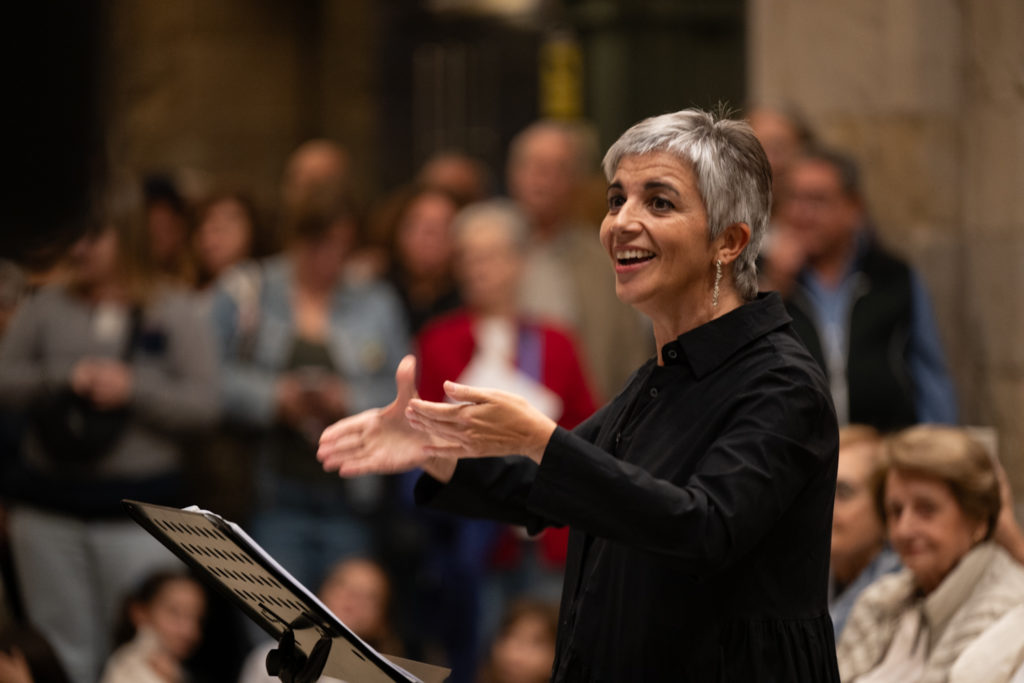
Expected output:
(346, 444)
(434, 411)
(348, 425)
(463, 393)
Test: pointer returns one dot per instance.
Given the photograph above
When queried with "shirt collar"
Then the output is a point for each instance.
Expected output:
(706, 347)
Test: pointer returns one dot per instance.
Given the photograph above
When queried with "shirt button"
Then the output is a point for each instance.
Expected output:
(672, 354)
(654, 392)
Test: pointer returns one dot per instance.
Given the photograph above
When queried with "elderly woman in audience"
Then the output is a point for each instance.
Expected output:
(940, 495)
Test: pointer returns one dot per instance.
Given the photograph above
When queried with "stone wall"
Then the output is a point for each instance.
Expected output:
(929, 96)
(223, 91)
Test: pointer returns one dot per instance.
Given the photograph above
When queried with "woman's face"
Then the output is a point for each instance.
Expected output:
(175, 615)
(224, 237)
(424, 236)
(358, 595)
(525, 652)
(489, 268)
(927, 526)
(321, 260)
(656, 233)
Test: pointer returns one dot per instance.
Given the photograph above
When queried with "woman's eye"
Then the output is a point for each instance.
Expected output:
(661, 204)
(615, 201)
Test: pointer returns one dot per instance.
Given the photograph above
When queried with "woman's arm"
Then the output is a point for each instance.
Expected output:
(24, 376)
(776, 440)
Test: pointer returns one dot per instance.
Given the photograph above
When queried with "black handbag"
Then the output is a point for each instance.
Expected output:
(71, 429)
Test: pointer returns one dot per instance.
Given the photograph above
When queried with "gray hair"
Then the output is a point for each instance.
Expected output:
(503, 213)
(733, 176)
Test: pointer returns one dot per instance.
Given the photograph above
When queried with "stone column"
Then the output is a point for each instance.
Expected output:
(928, 95)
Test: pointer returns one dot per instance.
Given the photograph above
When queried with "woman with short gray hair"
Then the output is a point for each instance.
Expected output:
(699, 500)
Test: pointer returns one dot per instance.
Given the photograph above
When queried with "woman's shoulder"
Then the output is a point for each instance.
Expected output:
(996, 654)
(1002, 583)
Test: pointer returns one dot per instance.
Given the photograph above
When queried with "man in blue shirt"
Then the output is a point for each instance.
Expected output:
(863, 313)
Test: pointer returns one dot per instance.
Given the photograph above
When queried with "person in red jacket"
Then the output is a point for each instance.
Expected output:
(490, 343)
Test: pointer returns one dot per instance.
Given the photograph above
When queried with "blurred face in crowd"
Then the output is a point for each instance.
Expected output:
(320, 260)
(318, 169)
(224, 237)
(544, 175)
(357, 592)
(927, 526)
(93, 258)
(656, 233)
(168, 232)
(460, 175)
(424, 238)
(489, 268)
(858, 533)
(823, 216)
(175, 615)
(525, 652)
(778, 136)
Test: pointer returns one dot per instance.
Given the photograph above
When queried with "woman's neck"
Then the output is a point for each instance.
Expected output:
(668, 328)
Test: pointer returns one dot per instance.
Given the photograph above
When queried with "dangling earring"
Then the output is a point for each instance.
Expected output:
(718, 279)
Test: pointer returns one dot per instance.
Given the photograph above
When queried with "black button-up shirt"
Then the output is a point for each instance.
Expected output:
(700, 506)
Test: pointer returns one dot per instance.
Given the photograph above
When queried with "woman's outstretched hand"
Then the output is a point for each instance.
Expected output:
(481, 423)
(381, 440)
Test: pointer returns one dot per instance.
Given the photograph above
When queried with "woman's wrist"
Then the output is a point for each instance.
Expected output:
(441, 469)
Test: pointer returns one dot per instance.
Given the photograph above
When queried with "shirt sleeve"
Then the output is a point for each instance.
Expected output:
(933, 389)
(23, 374)
(181, 392)
(780, 437)
(495, 488)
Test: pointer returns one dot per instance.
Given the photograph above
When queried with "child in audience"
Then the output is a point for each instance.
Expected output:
(161, 626)
(524, 649)
(358, 592)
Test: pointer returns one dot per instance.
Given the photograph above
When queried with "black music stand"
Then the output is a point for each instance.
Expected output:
(312, 641)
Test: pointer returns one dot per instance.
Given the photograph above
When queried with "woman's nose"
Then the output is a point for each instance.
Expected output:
(626, 218)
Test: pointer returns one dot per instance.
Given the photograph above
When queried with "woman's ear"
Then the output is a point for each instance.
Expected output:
(733, 240)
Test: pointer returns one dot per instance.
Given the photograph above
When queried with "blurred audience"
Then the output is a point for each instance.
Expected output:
(939, 493)
(785, 136)
(27, 657)
(493, 343)
(315, 174)
(860, 552)
(357, 591)
(13, 288)
(421, 256)
(567, 278)
(466, 179)
(863, 313)
(160, 626)
(228, 232)
(113, 368)
(524, 649)
(170, 230)
(301, 347)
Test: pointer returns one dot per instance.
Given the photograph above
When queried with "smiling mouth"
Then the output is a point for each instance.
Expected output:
(629, 257)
